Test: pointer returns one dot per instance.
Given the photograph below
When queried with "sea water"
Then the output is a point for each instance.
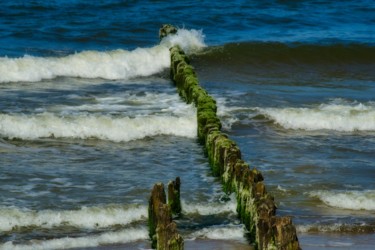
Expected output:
(89, 119)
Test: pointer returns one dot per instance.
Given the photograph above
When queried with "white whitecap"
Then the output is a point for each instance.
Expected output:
(229, 232)
(120, 237)
(209, 208)
(86, 217)
(117, 64)
(189, 40)
(112, 65)
(104, 127)
(344, 117)
(353, 200)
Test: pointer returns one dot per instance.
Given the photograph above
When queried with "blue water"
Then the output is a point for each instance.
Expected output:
(89, 119)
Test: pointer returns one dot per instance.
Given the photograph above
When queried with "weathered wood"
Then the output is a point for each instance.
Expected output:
(255, 206)
(174, 196)
(162, 230)
(156, 200)
(166, 29)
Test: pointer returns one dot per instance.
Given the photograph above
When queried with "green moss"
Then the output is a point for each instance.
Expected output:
(206, 119)
(223, 154)
(206, 106)
(176, 243)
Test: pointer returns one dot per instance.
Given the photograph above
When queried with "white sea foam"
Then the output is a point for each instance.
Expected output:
(116, 64)
(227, 113)
(209, 208)
(354, 200)
(189, 40)
(345, 117)
(86, 217)
(83, 126)
(279, 187)
(146, 104)
(230, 232)
(121, 237)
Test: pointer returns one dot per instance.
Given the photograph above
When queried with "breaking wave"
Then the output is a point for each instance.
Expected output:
(112, 65)
(353, 200)
(339, 117)
(85, 217)
(209, 208)
(120, 237)
(104, 127)
(230, 232)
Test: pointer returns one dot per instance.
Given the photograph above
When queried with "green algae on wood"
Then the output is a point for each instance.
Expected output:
(256, 208)
(162, 229)
(157, 199)
(174, 200)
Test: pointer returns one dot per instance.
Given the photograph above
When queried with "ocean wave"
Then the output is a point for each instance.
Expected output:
(353, 200)
(82, 126)
(112, 65)
(86, 217)
(336, 228)
(332, 116)
(119, 237)
(189, 40)
(209, 208)
(229, 232)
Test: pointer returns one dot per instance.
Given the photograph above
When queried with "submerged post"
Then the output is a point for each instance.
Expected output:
(256, 208)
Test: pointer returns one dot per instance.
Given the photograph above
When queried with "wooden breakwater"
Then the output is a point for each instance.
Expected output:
(256, 208)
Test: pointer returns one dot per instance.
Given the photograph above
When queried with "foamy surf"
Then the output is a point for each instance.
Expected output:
(229, 232)
(353, 200)
(190, 41)
(84, 218)
(209, 208)
(343, 117)
(120, 237)
(111, 65)
(104, 127)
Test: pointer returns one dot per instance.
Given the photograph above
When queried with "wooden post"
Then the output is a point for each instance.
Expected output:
(162, 230)
(174, 196)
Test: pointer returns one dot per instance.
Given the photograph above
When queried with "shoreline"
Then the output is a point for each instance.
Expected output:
(196, 244)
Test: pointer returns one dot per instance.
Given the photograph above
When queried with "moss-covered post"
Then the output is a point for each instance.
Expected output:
(156, 200)
(174, 196)
(162, 229)
(166, 29)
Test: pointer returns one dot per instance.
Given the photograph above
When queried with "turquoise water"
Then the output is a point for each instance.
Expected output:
(89, 119)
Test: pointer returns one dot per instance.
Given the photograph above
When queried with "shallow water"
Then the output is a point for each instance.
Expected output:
(89, 119)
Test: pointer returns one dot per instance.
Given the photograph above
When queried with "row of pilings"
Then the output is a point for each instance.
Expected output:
(256, 208)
